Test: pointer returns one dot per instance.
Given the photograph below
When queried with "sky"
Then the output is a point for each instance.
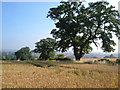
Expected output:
(25, 23)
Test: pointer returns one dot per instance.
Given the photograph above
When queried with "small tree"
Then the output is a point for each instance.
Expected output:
(46, 48)
(23, 54)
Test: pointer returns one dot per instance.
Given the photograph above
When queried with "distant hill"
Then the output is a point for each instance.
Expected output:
(93, 55)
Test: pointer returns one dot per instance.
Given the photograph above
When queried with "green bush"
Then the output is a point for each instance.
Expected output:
(118, 61)
(60, 55)
(104, 59)
(63, 58)
(110, 61)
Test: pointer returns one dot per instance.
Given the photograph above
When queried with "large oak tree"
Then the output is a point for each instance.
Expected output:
(79, 26)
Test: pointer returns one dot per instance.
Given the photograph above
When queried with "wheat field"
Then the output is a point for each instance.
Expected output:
(63, 76)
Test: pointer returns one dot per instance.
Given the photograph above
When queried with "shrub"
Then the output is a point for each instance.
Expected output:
(118, 61)
(110, 62)
(104, 59)
(63, 58)
(60, 55)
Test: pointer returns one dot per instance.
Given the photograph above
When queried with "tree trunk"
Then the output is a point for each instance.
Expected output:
(78, 55)
(77, 58)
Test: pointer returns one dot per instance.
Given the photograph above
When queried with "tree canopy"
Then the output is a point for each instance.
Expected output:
(46, 48)
(79, 26)
(24, 53)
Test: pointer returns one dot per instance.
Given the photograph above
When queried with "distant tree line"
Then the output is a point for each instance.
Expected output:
(7, 56)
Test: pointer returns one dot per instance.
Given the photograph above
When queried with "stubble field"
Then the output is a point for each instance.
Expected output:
(25, 75)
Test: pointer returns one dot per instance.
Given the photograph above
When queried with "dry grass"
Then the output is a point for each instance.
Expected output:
(63, 76)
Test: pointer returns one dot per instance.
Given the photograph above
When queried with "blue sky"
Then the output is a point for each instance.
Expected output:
(25, 23)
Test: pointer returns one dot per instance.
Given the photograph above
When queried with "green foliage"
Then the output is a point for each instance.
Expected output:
(106, 61)
(78, 26)
(60, 55)
(110, 62)
(23, 53)
(46, 48)
(63, 58)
